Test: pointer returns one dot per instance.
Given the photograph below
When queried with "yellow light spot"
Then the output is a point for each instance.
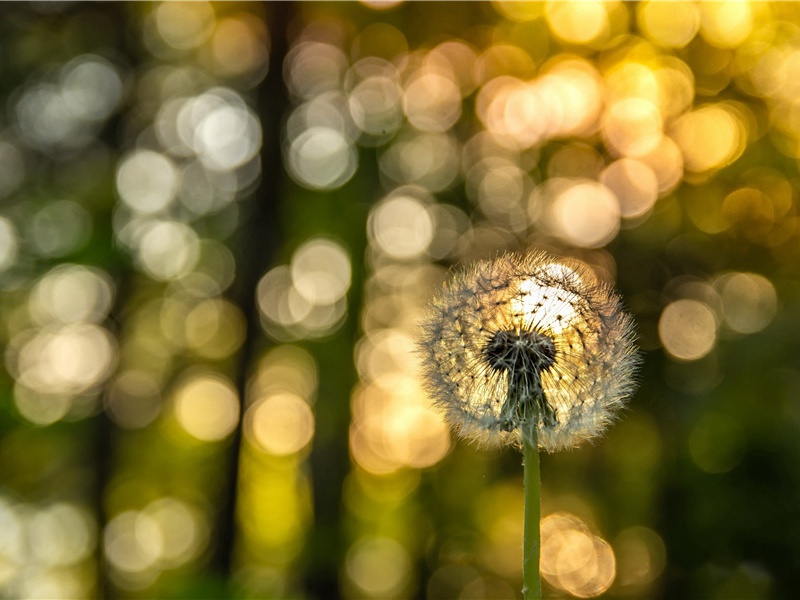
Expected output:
(577, 22)
(207, 406)
(280, 424)
(709, 137)
(379, 567)
(669, 24)
(587, 214)
(215, 329)
(632, 127)
(184, 25)
(239, 47)
(634, 184)
(641, 556)
(688, 329)
(573, 559)
(726, 24)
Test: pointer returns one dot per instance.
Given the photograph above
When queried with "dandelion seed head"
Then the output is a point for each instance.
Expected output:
(528, 346)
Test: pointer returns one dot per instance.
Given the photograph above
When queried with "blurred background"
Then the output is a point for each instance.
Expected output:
(219, 223)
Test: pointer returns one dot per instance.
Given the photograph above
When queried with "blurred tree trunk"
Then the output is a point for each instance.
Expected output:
(260, 238)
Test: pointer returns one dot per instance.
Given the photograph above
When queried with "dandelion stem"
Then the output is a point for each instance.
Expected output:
(531, 583)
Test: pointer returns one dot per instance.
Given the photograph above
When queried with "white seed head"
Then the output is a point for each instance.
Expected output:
(528, 344)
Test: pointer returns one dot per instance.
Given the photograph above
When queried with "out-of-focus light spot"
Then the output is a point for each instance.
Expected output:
(631, 79)
(385, 352)
(587, 214)
(500, 60)
(572, 96)
(69, 360)
(401, 226)
(565, 101)
(215, 328)
(180, 528)
(749, 301)
(459, 58)
(286, 369)
(709, 137)
(430, 160)
(59, 228)
(41, 408)
(520, 11)
(133, 400)
(184, 25)
(91, 87)
(205, 191)
(228, 136)
(573, 559)
(634, 184)
(281, 424)
(220, 128)
(71, 294)
(716, 443)
(375, 98)
(12, 541)
(12, 168)
(688, 329)
(168, 249)
(240, 46)
(393, 423)
(321, 271)
(45, 120)
(755, 213)
(577, 22)
(328, 111)
(381, 4)
(67, 114)
(140, 544)
(61, 534)
(131, 543)
(669, 24)
(379, 567)
(279, 300)
(666, 161)
(432, 102)
(147, 181)
(207, 406)
(641, 556)
(321, 158)
(450, 224)
(632, 127)
(313, 68)
(8, 244)
(726, 24)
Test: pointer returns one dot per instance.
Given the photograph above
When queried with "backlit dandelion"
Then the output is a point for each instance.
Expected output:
(528, 346)
(530, 351)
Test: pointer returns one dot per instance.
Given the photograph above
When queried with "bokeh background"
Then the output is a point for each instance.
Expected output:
(219, 223)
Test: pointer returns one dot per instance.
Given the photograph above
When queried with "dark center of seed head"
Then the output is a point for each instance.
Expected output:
(520, 352)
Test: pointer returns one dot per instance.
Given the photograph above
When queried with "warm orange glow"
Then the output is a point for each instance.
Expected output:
(573, 559)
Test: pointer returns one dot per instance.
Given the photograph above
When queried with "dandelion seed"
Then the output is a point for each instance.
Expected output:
(528, 347)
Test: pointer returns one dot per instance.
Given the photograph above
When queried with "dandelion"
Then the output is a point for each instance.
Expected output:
(530, 351)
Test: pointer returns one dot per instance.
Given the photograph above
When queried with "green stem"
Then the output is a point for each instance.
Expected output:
(531, 582)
